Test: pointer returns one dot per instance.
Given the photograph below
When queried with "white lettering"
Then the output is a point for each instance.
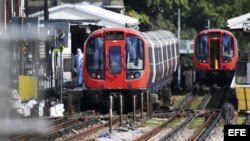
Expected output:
(235, 132)
(243, 132)
(230, 132)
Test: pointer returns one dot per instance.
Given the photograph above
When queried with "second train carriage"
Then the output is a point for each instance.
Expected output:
(215, 54)
(126, 61)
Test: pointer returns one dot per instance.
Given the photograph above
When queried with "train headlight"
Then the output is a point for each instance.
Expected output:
(93, 75)
(227, 60)
(203, 60)
(132, 76)
(98, 76)
(137, 74)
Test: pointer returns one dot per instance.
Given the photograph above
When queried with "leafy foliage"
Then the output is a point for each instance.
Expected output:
(143, 18)
(195, 14)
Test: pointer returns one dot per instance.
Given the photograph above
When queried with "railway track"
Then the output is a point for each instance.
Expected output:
(128, 119)
(212, 116)
(203, 132)
(55, 127)
(82, 128)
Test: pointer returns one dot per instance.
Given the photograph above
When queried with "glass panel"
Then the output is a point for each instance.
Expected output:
(169, 53)
(164, 53)
(115, 59)
(67, 65)
(114, 35)
(244, 57)
(172, 47)
(135, 53)
(95, 54)
(202, 47)
(227, 44)
(241, 72)
(243, 69)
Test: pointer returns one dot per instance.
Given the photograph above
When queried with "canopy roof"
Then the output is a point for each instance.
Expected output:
(87, 11)
(239, 22)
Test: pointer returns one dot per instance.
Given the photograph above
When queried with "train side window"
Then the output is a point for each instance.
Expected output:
(156, 54)
(169, 53)
(150, 54)
(95, 54)
(164, 53)
(228, 46)
(173, 49)
(135, 53)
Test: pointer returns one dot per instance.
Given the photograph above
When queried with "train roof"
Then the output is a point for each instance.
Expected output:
(127, 30)
(153, 37)
(215, 30)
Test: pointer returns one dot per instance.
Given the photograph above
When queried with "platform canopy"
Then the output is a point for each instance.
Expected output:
(240, 22)
(86, 11)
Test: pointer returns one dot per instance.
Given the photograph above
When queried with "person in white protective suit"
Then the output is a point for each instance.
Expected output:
(78, 65)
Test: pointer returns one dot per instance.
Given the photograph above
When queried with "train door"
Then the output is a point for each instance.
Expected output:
(115, 72)
(214, 53)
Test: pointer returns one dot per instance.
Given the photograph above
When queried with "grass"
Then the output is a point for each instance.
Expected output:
(196, 122)
(240, 120)
(153, 122)
(177, 99)
(196, 102)
(175, 123)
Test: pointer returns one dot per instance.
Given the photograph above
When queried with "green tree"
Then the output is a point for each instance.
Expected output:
(162, 14)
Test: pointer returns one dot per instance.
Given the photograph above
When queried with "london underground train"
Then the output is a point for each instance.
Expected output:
(126, 61)
(215, 54)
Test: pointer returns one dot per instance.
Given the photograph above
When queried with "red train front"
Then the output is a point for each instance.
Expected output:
(215, 52)
(111, 62)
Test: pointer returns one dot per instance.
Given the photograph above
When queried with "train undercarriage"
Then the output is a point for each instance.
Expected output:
(214, 77)
(100, 99)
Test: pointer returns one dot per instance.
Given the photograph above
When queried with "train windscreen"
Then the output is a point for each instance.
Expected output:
(202, 47)
(95, 54)
(135, 53)
(227, 47)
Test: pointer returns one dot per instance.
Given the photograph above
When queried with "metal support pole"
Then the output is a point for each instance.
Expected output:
(179, 75)
(61, 73)
(46, 11)
(12, 8)
(208, 23)
(178, 36)
(70, 103)
(121, 109)
(134, 108)
(147, 104)
(110, 113)
(141, 105)
(150, 106)
(179, 23)
(5, 17)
